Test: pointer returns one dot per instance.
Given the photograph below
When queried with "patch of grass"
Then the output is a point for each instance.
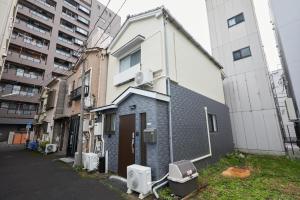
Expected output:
(271, 178)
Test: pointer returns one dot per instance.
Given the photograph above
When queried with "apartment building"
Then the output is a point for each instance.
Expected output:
(164, 98)
(7, 16)
(286, 21)
(58, 116)
(44, 45)
(236, 44)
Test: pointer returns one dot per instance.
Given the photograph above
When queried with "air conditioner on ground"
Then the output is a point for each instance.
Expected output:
(91, 161)
(143, 78)
(50, 148)
(139, 180)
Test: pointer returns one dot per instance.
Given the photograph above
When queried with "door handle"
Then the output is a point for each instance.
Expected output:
(132, 143)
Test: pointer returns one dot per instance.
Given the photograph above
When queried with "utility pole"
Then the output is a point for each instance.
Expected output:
(78, 162)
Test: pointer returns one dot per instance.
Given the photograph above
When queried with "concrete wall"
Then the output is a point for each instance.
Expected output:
(286, 18)
(247, 86)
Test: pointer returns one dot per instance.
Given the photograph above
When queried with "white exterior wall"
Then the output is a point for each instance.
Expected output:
(286, 18)
(247, 86)
(189, 67)
(151, 55)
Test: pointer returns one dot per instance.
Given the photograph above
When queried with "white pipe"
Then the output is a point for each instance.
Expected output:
(113, 177)
(154, 182)
(164, 21)
(208, 137)
(102, 134)
(157, 187)
(106, 162)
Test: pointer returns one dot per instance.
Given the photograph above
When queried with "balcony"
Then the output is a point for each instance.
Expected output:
(5, 113)
(33, 14)
(44, 5)
(20, 24)
(26, 60)
(29, 43)
(11, 74)
(17, 97)
(76, 94)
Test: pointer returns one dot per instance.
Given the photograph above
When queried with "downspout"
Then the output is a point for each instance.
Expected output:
(208, 137)
(168, 82)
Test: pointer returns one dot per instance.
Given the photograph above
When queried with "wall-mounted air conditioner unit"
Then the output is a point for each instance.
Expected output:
(86, 125)
(97, 128)
(143, 78)
(291, 109)
(88, 102)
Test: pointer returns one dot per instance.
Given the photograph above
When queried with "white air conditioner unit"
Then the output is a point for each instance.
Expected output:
(139, 180)
(291, 109)
(143, 78)
(88, 102)
(86, 125)
(50, 148)
(97, 128)
(36, 117)
(91, 161)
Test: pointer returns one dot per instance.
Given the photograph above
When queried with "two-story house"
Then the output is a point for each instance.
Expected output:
(164, 97)
(58, 119)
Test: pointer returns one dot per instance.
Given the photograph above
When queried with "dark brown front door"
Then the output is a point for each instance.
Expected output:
(126, 143)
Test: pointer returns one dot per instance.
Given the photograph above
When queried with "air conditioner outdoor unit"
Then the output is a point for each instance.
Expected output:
(97, 128)
(88, 102)
(86, 125)
(91, 161)
(143, 78)
(50, 148)
(139, 180)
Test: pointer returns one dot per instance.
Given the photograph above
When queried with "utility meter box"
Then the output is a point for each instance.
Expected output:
(150, 135)
(183, 178)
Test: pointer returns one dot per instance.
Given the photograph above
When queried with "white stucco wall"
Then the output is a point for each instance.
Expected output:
(189, 67)
(151, 55)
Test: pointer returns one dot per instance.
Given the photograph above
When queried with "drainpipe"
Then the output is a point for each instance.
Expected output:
(165, 18)
(208, 137)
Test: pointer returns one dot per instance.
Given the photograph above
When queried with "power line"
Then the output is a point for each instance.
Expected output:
(111, 21)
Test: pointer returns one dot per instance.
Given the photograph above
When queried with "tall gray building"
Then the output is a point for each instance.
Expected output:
(45, 41)
(237, 45)
(286, 20)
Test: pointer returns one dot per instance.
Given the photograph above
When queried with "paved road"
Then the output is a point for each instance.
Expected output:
(29, 176)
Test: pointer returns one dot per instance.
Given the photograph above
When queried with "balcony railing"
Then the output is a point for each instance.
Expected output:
(76, 94)
(68, 28)
(59, 66)
(63, 53)
(44, 3)
(71, 5)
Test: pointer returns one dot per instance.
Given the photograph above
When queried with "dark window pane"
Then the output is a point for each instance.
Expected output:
(246, 52)
(135, 58)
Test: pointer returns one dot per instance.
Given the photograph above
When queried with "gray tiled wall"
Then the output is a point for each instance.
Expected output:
(189, 126)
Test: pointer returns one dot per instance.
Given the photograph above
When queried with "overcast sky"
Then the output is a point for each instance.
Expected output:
(192, 15)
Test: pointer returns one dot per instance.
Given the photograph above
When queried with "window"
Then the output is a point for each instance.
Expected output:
(82, 31)
(20, 72)
(77, 41)
(235, 20)
(83, 20)
(4, 105)
(242, 53)
(109, 125)
(16, 89)
(84, 9)
(130, 60)
(212, 123)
